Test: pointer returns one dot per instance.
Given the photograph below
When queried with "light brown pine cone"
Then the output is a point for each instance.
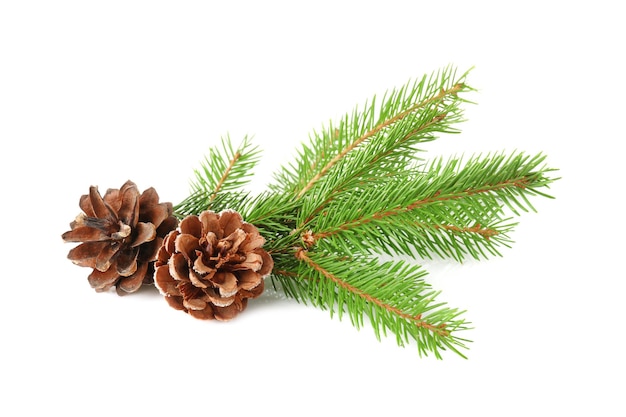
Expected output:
(121, 234)
(212, 265)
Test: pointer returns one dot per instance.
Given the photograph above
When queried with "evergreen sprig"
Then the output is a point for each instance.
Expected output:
(378, 141)
(224, 171)
(359, 189)
(392, 295)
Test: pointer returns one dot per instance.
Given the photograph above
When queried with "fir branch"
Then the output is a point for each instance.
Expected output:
(224, 170)
(392, 295)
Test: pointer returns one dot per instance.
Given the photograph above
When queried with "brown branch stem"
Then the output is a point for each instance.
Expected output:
(486, 232)
(222, 180)
(285, 273)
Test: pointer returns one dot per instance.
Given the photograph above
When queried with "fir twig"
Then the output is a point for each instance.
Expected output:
(374, 143)
(383, 125)
(393, 296)
(225, 169)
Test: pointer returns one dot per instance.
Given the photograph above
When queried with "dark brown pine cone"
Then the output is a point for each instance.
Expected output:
(212, 265)
(121, 234)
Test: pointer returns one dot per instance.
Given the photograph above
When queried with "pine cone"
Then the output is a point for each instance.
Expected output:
(212, 265)
(121, 234)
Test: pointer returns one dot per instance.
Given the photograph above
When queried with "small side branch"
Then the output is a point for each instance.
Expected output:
(443, 93)
(417, 320)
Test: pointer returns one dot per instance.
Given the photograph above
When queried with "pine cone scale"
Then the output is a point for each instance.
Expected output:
(102, 281)
(146, 232)
(99, 207)
(106, 257)
(129, 209)
(176, 303)
(164, 281)
(127, 262)
(169, 245)
(209, 222)
(85, 234)
(207, 314)
(148, 200)
(249, 280)
(251, 244)
(235, 240)
(229, 312)
(133, 282)
(254, 292)
(267, 262)
(155, 214)
(166, 225)
(194, 304)
(178, 267)
(191, 225)
(85, 205)
(196, 279)
(86, 253)
(202, 265)
(226, 282)
(229, 222)
(187, 245)
(219, 301)
(112, 198)
(148, 251)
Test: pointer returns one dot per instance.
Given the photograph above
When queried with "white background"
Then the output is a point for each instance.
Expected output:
(95, 93)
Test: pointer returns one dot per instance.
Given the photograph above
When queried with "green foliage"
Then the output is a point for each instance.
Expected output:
(358, 189)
